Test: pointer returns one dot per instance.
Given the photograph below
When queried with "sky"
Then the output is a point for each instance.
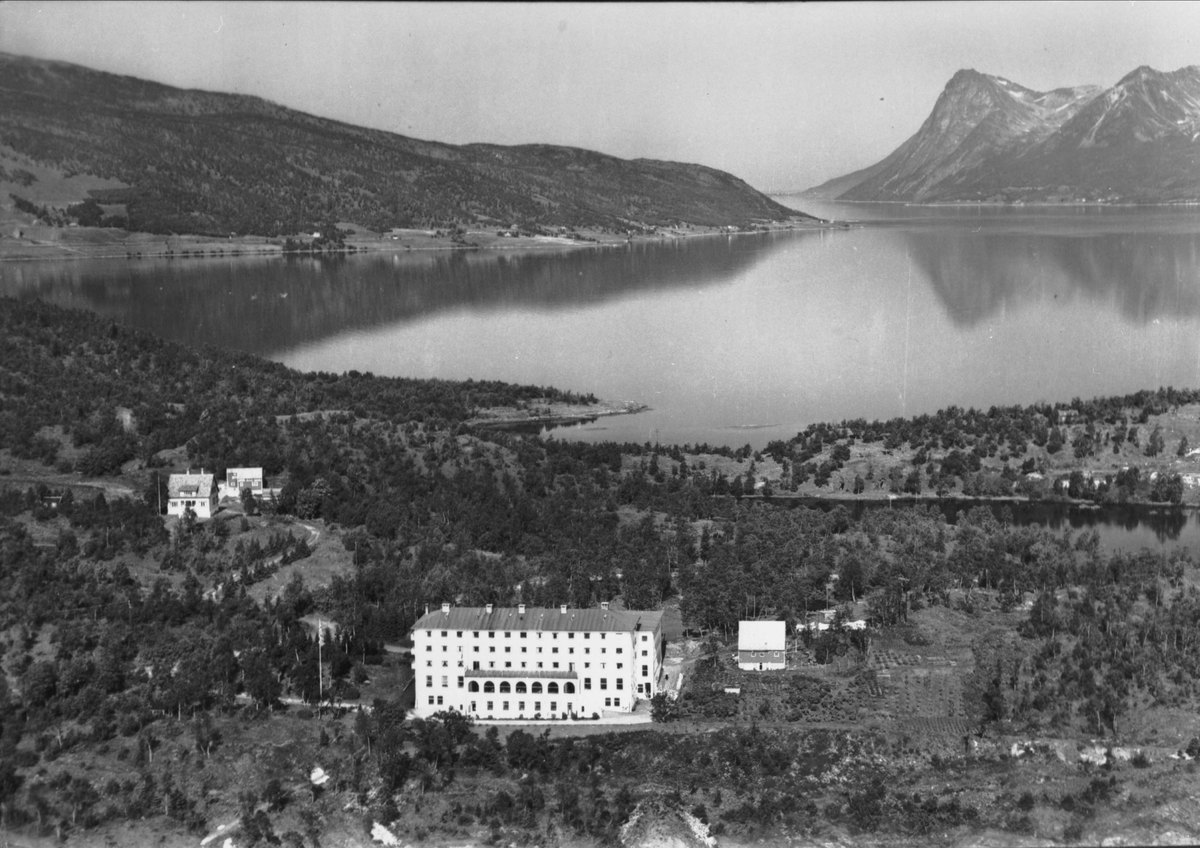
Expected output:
(784, 96)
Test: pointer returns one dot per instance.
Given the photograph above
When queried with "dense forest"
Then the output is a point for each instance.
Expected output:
(201, 162)
(124, 640)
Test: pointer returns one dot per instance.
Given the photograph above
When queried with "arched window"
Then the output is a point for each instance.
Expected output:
(536, 688)
(489, 687)
(521, 687)
(505, 688)
(551, 688)
(568, 688)
(473, 686)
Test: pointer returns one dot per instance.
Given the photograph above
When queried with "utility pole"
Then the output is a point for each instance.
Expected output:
(320, 673)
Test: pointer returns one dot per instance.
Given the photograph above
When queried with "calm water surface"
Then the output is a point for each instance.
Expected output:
(731, 340)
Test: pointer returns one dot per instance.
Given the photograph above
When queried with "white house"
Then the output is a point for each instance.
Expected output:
(527, 662)
(762, 645)
(822, 626)
(191, 490)
(823, 620)
(237, 479)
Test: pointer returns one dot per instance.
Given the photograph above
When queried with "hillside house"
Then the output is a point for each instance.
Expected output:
(237, 479)
(197, 491)
(762, 645)
(527, 662)
(825, 619)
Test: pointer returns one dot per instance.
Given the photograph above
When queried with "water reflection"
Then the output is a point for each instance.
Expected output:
(980, 275)
(933, 307)
(268, 306)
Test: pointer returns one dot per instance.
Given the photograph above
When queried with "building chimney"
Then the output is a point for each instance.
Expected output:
(427, 609)
(563, 609)
(489, 609)
(445, 609)
(520, 609)
(604, 605)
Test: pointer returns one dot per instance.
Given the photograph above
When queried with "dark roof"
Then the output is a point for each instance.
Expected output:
(540, 618)
(189, 485)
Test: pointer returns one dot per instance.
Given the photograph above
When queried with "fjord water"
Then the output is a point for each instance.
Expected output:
(730, 340)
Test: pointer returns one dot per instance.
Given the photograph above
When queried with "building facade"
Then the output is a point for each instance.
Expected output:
(194, 491)
(535, 662)
(237, 479)
(762, 645)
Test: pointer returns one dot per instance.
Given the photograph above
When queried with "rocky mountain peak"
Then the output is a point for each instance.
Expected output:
(988, 138)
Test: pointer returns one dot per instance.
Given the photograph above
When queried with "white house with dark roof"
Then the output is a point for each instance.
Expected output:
(529, 662)
(191, 490)
(762, 645)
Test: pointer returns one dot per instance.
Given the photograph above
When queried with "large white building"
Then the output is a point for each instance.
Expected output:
(525, 662)
(762, 645)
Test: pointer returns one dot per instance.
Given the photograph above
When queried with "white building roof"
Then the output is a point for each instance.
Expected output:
(243, 472)
(762, 635)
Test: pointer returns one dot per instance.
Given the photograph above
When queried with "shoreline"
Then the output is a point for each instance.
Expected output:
(788, 499)
(81, 243)
(1004, 204)
(557, 414)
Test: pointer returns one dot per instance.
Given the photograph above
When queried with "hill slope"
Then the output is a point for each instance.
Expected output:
(989, 139)
(194, 161)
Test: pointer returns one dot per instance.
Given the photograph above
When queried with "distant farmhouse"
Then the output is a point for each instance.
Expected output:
(196, 491)
(237, 479)
(762, 645)
(533, 662)
(823, 620)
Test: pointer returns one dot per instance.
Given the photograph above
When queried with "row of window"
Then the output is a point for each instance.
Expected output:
(521, 633)
(554, 665)
(524, 634)
(508, 650)
(537, 705)
(508, 665)
(535, 688)
(519, 687)
(507, 705)
(763, 653)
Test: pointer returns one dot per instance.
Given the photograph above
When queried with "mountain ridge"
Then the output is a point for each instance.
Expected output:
(988, 139)
(196, 161)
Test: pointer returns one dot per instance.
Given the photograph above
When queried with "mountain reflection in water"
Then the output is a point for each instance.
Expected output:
(980, 275)
(730, 340)
(269, 306)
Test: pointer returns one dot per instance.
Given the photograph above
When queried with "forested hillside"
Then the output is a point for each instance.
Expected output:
(139, 671)
(201, 162)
